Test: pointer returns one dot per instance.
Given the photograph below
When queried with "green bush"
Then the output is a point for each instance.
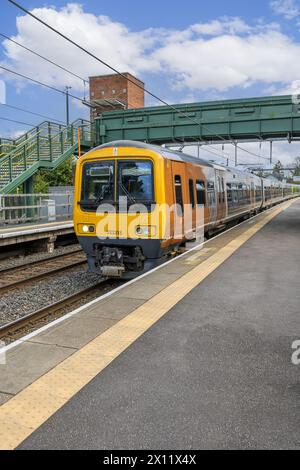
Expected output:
(62, 176)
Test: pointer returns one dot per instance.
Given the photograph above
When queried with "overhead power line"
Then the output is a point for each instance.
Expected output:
(32, 112)
(17, 122)
(39, 83)
(44, 58)
(106, 64)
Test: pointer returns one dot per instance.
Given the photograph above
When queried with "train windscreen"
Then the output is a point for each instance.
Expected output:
(97, 184)
(135, 181)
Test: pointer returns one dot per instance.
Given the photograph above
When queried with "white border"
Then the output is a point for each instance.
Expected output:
(108, 294)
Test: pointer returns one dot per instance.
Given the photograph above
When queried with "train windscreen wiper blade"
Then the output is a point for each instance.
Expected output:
(101, 196)
(127, 193)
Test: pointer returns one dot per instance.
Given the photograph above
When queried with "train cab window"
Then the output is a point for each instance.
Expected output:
(135, 181)
(97, 184)
(178, 194)
(200, 189)
(191, 191)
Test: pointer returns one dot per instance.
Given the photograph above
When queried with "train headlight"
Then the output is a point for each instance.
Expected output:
(85, 228)
(145, 230)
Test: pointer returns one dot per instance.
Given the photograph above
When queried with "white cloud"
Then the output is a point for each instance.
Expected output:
(221, 26)
(227, 61)
(111, 41)
(289, 9)
(292, 88)
(213, 57)
(16, 134)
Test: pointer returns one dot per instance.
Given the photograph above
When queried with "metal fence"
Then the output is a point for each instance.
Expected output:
(16, 209)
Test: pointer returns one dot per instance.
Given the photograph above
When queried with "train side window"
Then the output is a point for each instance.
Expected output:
(252, 191)
(240, 193)
(178, 194)
(201, 197)
(219, 190)
(257, 193)
(234, 188)
(192, 196)
(229, 194)
(223, 190)
(211, 193)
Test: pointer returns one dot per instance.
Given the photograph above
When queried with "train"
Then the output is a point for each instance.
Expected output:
(136, 204)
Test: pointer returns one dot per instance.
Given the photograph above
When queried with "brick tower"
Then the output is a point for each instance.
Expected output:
(109, 92)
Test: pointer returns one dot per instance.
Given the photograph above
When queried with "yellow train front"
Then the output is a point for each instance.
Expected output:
(137, 204)
(112, 184)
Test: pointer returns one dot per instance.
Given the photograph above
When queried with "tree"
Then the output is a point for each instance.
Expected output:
(278, 171)
(62, 176)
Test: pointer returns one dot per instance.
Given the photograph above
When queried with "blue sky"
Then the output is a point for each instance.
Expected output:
(184, 51)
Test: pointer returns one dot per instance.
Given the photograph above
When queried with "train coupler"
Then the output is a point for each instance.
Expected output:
(110, 261)
(112, 271)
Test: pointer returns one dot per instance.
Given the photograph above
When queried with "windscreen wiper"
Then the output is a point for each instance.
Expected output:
(127, 193)
(101, 197)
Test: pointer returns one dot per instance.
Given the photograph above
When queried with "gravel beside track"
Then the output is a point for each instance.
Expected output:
(15, 261)
(19, 302)
(16, 329)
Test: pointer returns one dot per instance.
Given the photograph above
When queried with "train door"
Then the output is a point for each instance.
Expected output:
(221, 202)
(212, 197)
(192, 206)
(180, 198)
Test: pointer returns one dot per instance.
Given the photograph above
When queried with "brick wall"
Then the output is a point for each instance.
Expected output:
(116, 87)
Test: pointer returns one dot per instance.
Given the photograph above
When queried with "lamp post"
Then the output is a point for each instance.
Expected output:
(67, 105)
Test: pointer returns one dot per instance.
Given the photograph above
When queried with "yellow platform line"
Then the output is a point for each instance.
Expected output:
(30, 408)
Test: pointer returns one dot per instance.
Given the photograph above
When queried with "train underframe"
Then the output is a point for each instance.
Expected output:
(122, 258)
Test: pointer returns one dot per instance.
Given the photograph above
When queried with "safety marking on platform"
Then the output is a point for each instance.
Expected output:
(194, 259)
(29, 409)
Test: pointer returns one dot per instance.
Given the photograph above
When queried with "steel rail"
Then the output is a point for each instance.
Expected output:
(40, 275)
(23, 322)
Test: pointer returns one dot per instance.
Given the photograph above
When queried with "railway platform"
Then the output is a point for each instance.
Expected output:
(44, 234)
(196, 354)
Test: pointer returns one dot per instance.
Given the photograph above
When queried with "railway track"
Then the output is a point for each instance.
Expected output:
(13, 330)
(17, 276)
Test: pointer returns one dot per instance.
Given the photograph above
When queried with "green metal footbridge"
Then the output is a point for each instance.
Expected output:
(276, 117)
(49, 144)
(45, 146)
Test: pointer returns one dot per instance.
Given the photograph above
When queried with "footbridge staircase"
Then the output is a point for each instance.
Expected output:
(45, 146)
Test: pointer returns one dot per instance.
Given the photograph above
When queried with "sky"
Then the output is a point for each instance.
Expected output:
(184, 52)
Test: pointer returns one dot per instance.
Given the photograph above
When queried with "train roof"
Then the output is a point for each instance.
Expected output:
(166, 153)
(179, 156)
